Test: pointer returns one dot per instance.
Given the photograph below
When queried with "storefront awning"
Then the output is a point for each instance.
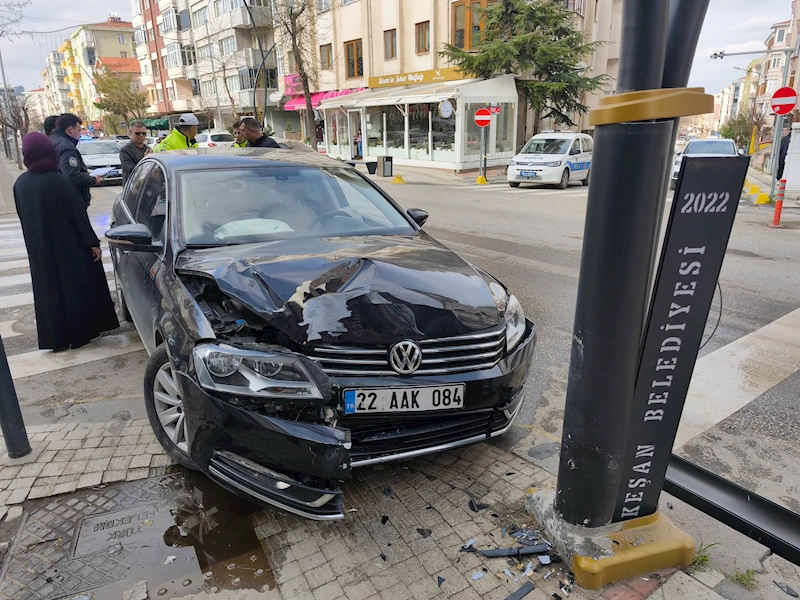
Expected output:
(299, 102)
(498, 89)
(156, 123)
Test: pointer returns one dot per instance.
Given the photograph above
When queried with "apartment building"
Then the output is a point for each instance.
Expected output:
(771, 67)
(37, 107)
(378, 75)
(55, 85)
(111, 38)
(206, 57)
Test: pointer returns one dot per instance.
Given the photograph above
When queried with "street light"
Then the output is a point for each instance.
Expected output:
(779, 118)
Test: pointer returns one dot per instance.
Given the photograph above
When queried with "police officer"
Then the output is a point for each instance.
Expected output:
(238, 135)
(182, 137)
(70, 162)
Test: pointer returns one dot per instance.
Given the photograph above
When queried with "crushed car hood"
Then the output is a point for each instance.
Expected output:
(351, 290)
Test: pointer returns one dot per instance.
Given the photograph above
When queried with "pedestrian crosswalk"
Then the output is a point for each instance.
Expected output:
(15, 273)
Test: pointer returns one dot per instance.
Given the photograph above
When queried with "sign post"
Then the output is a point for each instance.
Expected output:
(700, 224)
(483, 117)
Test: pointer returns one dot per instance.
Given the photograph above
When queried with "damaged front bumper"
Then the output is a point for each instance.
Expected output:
(298, 466)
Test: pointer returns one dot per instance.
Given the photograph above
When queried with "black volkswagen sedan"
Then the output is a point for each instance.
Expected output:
(301, 324)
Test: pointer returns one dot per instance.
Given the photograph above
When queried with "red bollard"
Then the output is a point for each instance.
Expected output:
(776, 218)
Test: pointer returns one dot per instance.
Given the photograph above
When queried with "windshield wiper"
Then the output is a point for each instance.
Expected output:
(201, 246)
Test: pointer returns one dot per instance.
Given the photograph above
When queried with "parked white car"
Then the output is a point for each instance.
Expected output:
(704, 147)
(555, 158)
(215, 139)
(102, 153)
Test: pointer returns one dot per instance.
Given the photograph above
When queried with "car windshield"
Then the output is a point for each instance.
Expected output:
(239, 206)
(546, 146)
(710, 147)
(98, 148)
(222, 137)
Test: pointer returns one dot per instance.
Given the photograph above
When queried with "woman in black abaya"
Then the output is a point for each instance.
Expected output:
(70, 291)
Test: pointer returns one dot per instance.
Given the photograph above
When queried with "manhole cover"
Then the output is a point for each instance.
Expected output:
(180, 533)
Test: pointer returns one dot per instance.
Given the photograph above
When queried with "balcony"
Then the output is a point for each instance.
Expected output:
(165, 4)
(239, 18)
(146, 80)
(178, 72)
(246, 98)
(182, 105)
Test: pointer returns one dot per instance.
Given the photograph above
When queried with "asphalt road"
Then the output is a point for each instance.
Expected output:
(530, 239)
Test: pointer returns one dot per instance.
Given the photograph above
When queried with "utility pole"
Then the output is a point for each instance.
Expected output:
(8, 112)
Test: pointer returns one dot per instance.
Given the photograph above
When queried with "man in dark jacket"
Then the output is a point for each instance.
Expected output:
(254, 136)
(70, 162)
(50, 125)
(783, 149)
(135, 150)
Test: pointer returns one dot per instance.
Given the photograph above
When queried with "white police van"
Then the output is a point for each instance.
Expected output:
(557, 158)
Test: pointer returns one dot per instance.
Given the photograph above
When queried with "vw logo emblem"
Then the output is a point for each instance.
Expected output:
(405, 357)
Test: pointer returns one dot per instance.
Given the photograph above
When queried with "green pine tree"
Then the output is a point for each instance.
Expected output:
(536, 42)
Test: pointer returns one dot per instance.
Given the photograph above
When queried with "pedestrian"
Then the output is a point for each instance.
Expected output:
(70, 293)
(50, 125)
(135, 150)
(255, 137)
(182, 137)
(65, 140)
(358, 143)
(238, 135)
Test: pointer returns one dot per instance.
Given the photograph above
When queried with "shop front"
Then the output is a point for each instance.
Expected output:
(428, 124)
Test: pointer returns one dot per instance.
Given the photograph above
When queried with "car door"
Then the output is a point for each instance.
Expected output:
(574, 160)
(142, 294)
(586, 156)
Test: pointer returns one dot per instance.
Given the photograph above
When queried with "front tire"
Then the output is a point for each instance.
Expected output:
(562, 185)
(586, 179)
(513, 184)
(164, 405)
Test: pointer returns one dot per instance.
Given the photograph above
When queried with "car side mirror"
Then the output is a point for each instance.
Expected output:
(679, 152)
(134, 237)
(740, 152)
(418, 215)
(574, 151)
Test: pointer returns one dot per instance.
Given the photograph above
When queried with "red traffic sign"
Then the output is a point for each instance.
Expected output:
(783, 101)
(483, 116)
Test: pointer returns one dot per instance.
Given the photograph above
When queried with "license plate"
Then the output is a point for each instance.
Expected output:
(533, 174)
(386, 400)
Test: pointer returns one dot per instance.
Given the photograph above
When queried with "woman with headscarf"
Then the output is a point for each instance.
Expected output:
(70, 291)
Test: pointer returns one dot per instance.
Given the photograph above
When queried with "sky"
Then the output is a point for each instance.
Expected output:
(735, 25)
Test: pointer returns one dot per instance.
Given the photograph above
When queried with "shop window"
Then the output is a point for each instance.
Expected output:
(419, 130)
(444, 135)
(472, 139)
(354, 53)
(423, 31)
(390, 44)
(326, 56)
(467, 23)
(504, 128)
(373, 140)
(395, 132)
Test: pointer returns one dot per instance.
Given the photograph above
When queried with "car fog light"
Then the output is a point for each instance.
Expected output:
(222, 365)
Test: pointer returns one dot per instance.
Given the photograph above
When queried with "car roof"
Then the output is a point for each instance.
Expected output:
(216, 158)
(560, 134)
(96, 141)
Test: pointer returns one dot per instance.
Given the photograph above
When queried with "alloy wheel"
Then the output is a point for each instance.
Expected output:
(169, 407)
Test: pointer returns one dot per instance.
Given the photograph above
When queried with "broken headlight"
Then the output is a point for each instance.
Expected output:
(511, 310)
(224, 368)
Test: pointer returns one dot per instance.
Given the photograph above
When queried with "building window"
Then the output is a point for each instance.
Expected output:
(160, 95)
(171, 93)
(390, 44)
(323, 5)
(200, 17)
(136, 7)
(140, 35)
(169, 20)
(780, 35)
(150, 35)
(279, 60)
(123, 55)
(576, 6)
(155, 68)
(291, 63)
(354, 54)
(326, 56)
(423, 37)
(234, 83)
(204, 52)
(224, 6)
(772, 86)
(195, 87)
(208, 88)
(775, 61)
(121, 38)
(172, 58)
(228, 45)
(348, 1)
(467, 23)
(188, 56)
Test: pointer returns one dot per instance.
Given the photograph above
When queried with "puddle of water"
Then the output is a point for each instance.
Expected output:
(181, 533)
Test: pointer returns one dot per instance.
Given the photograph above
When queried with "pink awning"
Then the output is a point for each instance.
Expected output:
(299, 102)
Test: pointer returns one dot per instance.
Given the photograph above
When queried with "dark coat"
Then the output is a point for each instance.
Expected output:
(264, 142)
(70, 164)
(784, 148)
(129, 156)
(70, 291)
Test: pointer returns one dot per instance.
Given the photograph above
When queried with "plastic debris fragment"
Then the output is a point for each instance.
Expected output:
(384, 519)
(170, 560)
(476, 506)
(424, 532)
(477, 575)
(786, 589)
(544, 559)
(469, 544)
(440, 580)
(522, 592)
(546, 575)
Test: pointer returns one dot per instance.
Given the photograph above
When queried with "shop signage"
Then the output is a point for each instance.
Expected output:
(415, 77)
(445, 109)
(700, 224)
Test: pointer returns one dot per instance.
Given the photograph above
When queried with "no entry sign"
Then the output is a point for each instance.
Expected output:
(783, 101)
(483, 116)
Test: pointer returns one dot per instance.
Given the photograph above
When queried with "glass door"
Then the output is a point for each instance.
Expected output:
(356, 135)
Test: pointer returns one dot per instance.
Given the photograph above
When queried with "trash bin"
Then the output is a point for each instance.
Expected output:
(372, 167)
(384, 166)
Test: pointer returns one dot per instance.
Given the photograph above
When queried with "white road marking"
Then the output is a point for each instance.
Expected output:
(45, 361)
(13, 264)
(11, 280)
(26, 298)
(731, 377)
(6, 330)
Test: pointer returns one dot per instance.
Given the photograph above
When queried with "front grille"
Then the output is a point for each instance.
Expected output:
(443, 356)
